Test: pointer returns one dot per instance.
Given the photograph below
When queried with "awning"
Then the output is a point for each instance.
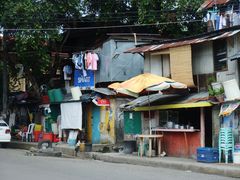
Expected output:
(150, 99)
(174, 106)
(170, 101)
(228, 108)
(105, 91)
(235, 57)
(158, 47)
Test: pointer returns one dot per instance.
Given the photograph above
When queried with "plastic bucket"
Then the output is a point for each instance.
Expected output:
(236, 157)
(38, 127)
(55, 138)
(231, 90)
(76, 93)
(51, 95)
(48, 136)
(58, 95)
(36, 135)
(45, 99)
(54, 128)
(82, 147)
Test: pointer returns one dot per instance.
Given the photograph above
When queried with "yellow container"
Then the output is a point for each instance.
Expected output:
(82, 147)
(38, 127)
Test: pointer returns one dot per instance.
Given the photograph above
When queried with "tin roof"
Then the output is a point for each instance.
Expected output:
(163, 99)
(158, 47)
(149, 99)
(105, 91)
(210, 3)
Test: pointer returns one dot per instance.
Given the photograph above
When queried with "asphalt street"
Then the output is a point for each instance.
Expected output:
(14, 164)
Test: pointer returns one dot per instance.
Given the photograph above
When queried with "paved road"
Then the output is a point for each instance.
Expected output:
(14, 164)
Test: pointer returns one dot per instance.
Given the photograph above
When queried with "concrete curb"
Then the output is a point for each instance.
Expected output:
(217, 169)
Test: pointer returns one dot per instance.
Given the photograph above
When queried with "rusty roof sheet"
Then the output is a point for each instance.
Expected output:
(158, 47)
(210, 3)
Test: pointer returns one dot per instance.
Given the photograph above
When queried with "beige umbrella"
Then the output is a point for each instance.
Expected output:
(138, 83)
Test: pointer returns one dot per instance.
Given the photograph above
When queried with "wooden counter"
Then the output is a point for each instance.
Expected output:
(179, 145)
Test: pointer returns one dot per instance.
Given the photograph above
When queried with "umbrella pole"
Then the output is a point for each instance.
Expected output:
(149, 115)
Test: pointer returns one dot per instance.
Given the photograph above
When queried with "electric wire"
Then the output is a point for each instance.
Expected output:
(100, 27)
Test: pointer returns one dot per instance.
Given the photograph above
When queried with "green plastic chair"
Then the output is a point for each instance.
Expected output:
(225, 143)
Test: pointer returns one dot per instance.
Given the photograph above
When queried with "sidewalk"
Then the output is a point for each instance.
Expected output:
(230, 170)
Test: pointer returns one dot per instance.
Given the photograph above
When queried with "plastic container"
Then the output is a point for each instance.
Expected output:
(207, 154)
(45, 99)
(82, 147)
(48, 136)
(76, 93)
(36, 135)
(55, 138)
(58, 95)
(236, 157)
(51, 95)
(54, 128)
(231, 90)
(38, 127)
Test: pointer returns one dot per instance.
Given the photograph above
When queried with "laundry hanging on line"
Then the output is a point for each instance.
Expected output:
(86, 61)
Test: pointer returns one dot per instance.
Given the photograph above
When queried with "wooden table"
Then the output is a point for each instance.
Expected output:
(150, 137)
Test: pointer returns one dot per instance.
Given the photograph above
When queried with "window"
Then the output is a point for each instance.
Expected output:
(3, 124)
(220, 55)
(166, 116)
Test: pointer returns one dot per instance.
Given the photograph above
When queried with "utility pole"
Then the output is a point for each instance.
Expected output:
(4, 75)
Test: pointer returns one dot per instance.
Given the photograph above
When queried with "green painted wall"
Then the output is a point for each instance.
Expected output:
(132, 123)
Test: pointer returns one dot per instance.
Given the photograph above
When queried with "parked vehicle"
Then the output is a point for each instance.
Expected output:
(5, 133)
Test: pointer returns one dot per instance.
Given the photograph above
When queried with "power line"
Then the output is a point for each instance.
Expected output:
(100, 27)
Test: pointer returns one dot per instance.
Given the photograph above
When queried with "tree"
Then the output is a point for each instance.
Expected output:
(33, 28)
(174, 18)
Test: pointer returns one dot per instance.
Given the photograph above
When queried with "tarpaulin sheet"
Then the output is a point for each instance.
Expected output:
(71, 114)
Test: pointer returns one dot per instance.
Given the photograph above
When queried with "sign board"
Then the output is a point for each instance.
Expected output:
(84, 82)
(103, 102)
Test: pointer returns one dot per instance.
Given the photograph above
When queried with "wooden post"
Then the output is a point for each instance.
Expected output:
(202, 127)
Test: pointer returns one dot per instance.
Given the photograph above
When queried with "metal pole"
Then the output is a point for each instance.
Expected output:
(4, 75)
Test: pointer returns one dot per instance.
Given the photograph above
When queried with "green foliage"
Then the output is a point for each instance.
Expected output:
(215, 92)
(35, 25)
(150, 12)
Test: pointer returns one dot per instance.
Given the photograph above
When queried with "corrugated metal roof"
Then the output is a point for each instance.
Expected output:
(210, 3)
(105, 91)
(158, 47)
(160, 99)
(145, 100)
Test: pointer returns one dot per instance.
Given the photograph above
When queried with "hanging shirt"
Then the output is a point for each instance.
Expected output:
(213, 18)
(89, 61)
(217, 21)
(78, 60)
(221, 22)
(95, 59)
(67, 72)
(236, 20)
(224, 22)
